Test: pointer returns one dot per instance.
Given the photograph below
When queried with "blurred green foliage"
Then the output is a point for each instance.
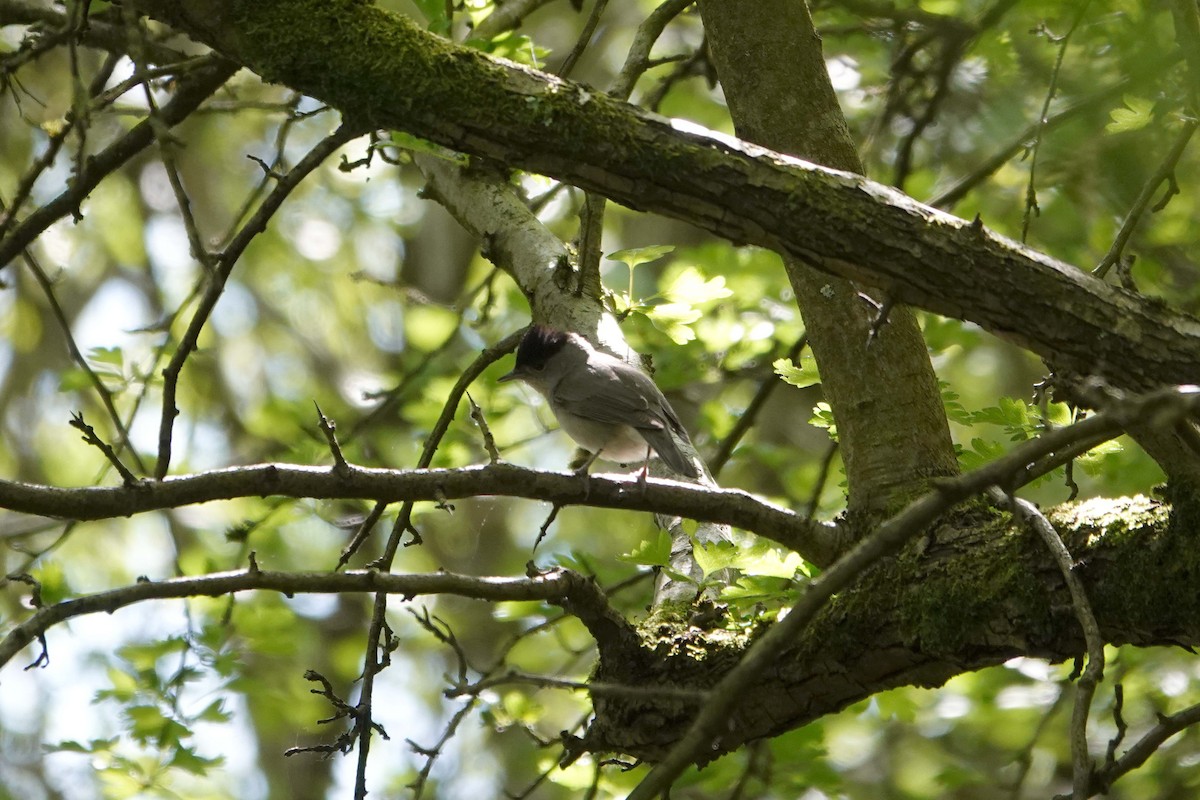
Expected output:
(367, 299)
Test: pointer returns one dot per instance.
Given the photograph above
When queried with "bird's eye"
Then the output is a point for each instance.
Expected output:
(538, 367)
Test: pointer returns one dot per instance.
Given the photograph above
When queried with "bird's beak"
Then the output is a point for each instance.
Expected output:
(514, 375)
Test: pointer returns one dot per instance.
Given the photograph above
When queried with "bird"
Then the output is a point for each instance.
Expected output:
(608, 407)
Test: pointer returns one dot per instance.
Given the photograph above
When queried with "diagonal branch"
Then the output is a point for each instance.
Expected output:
(706, 729)
(198, 86)
(841, 223)
(1145, 747)
(223, 267)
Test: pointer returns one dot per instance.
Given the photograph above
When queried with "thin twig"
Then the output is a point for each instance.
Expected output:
(1025, 759)
(489, 443)
(431, 753)
(1165, 170)
(35, 600)
(749, 415)
(102, 391)
(342, 710)
(1031, 204)
(1145, 747)
(53, 145)
(89, 436)
(193, 90)
(542, 531)
(1093, 673)
(818, 489)
(1110, 753)
(1020, 143)
(637, 61)
(329, 430)
(371, 664)
(393, 396)
(360, 536)
(506, 16)
(224, 265)
(585, 38)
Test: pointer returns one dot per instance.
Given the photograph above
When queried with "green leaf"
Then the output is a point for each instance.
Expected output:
(1137, 114)
(214, 712)
(145, 655)
(1059, 414)
(823, 418)
(107, 355)
(673, 319)
(145, 722)
(715, 556)
(92, 746)
(1094, 461)
(690, 287)
(124, 686)
(652, 552)
(769, 561)
(756, 588)
(806, 374)
(634, 256)
(74, 379)
(416, 144)
(434, 12)
(188, 760)
(982, 451)
(954, 409)
(898, 705)
(1018, 418)
(513, 46)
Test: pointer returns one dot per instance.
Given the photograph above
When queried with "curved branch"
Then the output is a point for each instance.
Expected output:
(382, 68)
(818, 542)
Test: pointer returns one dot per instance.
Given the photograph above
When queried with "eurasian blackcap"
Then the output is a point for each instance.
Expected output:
(608, 407)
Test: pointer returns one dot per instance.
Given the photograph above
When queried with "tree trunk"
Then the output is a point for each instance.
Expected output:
(891, 425)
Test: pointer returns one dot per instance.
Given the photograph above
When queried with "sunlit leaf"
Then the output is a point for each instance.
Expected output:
(1137, 113)
(800, 375)
(634, 256)
(653, 551)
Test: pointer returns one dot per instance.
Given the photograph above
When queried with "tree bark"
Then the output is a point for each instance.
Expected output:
(891, 425)
(974, 594)
(383, 70)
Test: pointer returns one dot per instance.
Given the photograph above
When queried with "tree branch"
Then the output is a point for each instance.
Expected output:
(841, 223)
(814, 540)
(558, 586)
(194, 89)
(222, 268)
(704, 735)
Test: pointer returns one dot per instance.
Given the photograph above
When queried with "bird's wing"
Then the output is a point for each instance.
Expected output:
(627, 397)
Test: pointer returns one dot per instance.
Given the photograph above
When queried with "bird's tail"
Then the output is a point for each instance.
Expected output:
(668, 450)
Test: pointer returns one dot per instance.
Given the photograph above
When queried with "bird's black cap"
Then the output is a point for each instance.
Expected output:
(538, 344)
